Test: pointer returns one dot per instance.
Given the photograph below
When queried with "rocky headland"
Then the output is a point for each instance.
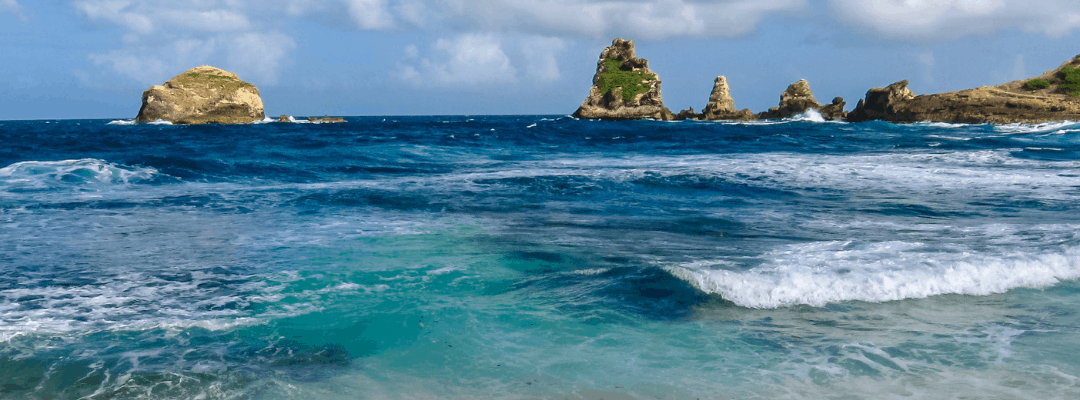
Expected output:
(1052, 96)
(202, 95)
(623, 87)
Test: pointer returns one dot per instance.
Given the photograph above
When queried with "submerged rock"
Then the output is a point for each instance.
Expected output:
(721, 106)
(1050, 97)
(623, 87)
(326, 120)
(202, 95)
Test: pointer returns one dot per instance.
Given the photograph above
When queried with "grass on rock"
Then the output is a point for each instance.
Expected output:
(1071, 75)
(1036, 84)
(629, 81)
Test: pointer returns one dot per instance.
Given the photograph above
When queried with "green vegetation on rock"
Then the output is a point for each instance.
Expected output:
(1036, 84)
(629, 81)
(1072, 79)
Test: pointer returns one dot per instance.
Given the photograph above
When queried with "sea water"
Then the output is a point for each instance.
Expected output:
(539, 257)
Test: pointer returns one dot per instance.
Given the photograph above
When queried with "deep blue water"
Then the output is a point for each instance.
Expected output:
(539, 257)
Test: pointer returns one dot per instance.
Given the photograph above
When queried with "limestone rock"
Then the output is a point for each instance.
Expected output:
(883, 103)
(1007, 103)
(796, 99)
(202, 95)
(721, 106)
(688, 114)
(623, 87)
(835, 110)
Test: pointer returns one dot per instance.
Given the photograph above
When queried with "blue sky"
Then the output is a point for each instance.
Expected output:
(93, 58)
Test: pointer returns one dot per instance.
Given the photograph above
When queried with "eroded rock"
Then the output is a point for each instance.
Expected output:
(202, 95)
(623, 87)
(795, 100)
(722, 106)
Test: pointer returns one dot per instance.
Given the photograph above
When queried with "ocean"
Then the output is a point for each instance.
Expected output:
(521, 257)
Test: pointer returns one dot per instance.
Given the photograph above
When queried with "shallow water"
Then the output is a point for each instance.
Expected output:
(539, 257)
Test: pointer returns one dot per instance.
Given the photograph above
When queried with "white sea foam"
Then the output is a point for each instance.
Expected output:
(827, 272)
(122, 122)
(160, 122)
(932, 124)
(810, 115)
(265, 120)
(42, 174)
(1035, 128)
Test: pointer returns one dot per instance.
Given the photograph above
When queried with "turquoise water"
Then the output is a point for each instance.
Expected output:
(539, 257)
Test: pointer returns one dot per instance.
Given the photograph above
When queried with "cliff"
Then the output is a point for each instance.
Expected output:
(623, 87)
(202, 95)
(1053, 96)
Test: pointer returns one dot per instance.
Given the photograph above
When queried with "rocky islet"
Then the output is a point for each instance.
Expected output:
(207, 95)
(1053, 96)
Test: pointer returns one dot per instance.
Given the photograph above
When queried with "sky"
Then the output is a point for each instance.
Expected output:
(93, 58)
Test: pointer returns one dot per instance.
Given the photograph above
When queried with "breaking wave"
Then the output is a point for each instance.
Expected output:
(829, 272)
(46, 174)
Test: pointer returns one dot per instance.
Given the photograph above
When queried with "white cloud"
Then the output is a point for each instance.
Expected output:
(540, 60)
(478, 60)
(370, 14)
(259, 55)
(468, 60)
(489, 40)
(165, 37)
(939, 20)
(153, 64)
(643, 19)
(12, 6)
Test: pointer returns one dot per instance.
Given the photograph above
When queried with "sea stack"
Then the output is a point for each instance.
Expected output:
(796, 99)
(1053, 96)
(721, 106)
(202, 95)
(623, 87)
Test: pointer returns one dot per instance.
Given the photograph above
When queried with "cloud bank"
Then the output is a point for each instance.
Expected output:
(945, 20)
(477, 42)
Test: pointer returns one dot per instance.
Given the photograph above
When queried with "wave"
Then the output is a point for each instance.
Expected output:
(810, 115)
(125, 122)
(829, 272)
(1035, 128)
(947, 125)
(44, 174)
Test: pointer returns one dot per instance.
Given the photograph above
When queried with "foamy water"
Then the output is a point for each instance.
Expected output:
(539, 257)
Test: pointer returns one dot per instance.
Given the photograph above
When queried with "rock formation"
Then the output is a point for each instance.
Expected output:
(835, 110)
(202, 95)
(623, 88)
(687, 114)
(796, 99)
(721, 106)
(1026, 101)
